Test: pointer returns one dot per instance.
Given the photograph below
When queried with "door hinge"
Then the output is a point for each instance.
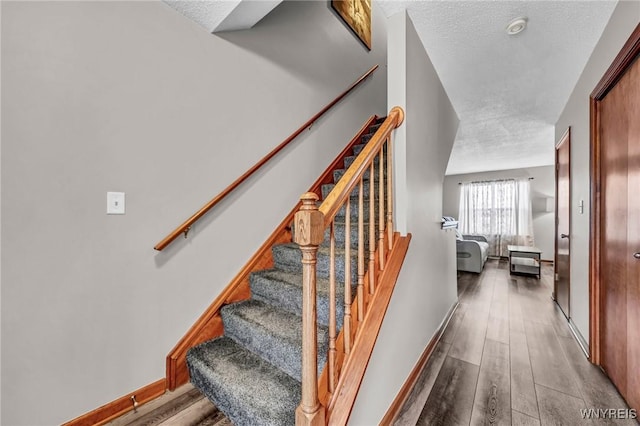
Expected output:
(557, 277)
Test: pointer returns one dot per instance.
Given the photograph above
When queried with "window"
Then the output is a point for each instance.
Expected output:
(499, 210)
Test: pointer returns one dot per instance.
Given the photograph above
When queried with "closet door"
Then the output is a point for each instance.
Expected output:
(619, 234)
(633, 243)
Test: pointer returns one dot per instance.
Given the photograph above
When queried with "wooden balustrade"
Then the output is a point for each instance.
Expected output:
(311, 221)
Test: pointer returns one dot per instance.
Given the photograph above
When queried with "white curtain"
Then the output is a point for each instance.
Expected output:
(500, 210)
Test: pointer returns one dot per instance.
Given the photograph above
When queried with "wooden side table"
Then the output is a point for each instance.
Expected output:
(524, 260)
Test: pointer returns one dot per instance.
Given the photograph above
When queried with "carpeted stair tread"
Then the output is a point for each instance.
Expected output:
(328, 187)
(357, 149)
(289, 258)
(340, 233)
(366, 138)
(355, 199)
(354, 211)
(249, 390)
(284, 290)
(340, 228)
(338, 173)
(272, 333)
(348, 161)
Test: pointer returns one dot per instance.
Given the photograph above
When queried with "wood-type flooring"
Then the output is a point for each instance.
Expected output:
(186, 406)
(508, 357)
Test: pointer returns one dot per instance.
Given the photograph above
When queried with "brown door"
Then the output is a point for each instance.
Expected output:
(618, 214)
(633, 247)
(563, 202)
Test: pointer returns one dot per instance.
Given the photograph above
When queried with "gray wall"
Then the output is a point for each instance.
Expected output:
(542, 187)
(426, 288)
(576, 114)
(133, 97)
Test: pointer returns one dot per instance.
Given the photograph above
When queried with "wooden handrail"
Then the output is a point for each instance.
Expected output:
(334, 201)
(186, 225)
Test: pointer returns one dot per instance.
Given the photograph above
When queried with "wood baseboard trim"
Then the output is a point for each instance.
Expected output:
(120, 406)
(405, 391)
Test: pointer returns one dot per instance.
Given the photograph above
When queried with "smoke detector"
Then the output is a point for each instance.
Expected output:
(517, 26)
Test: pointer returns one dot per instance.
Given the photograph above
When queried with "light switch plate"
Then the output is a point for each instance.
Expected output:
(115, 202)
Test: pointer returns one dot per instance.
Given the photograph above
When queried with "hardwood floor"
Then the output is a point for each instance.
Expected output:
(185, 406)
(508, 357)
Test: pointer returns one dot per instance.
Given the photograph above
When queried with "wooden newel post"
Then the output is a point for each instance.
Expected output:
(309, 233)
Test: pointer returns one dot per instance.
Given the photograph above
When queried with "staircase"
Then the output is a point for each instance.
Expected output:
(253, 372)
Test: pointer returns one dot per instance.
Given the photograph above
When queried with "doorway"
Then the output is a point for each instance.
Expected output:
(615, 219)
(563, 223)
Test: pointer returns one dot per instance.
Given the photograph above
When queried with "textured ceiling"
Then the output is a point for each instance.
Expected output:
(508, 91)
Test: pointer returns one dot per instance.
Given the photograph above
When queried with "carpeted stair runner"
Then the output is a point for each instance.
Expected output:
(252, 373)
(274, 334)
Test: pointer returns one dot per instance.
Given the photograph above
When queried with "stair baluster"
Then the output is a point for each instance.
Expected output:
(381, 217)
(332, 308)
(372, 231)
(309, 235)
(347, 278)
(389, 193)
(360, 251)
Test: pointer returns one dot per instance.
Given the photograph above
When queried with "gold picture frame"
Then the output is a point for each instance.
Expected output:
(357, 15)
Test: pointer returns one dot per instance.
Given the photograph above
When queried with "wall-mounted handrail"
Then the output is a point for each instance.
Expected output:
(186, 225)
